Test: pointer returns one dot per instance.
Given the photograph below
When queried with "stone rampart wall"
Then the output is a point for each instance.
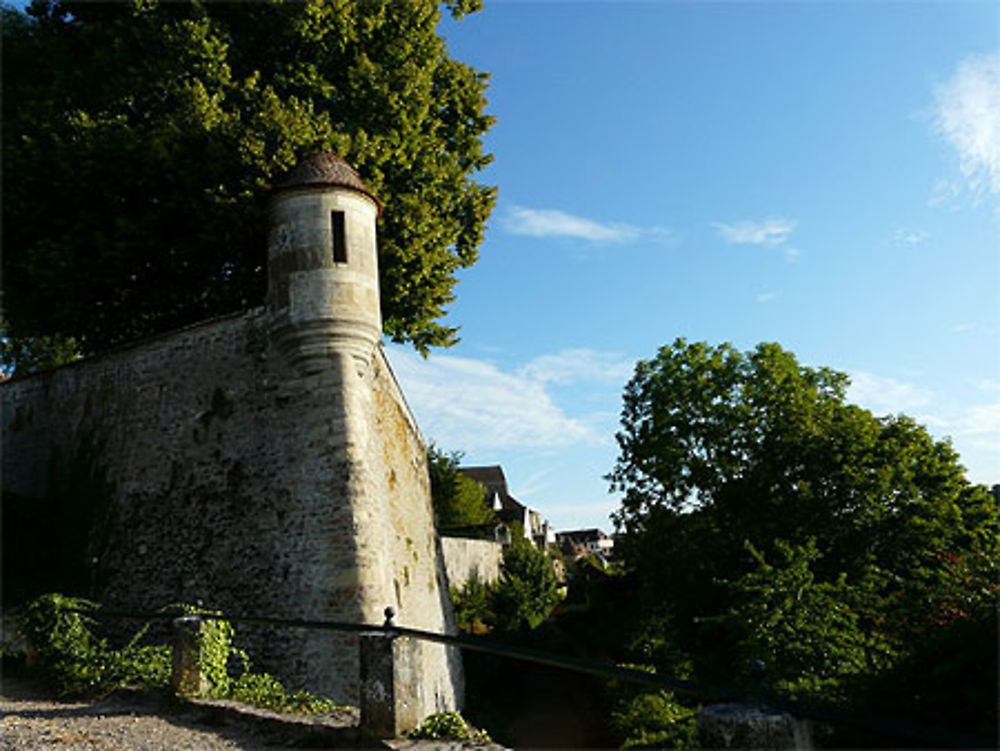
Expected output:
(236, 481)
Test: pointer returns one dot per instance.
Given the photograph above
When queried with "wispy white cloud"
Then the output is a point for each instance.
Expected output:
(764, 297)
(554, 223)
(521, 220)
(575, 365)
(973, 427)
(885, 395)
(792, 254)
(659, 235)
(910, 236)
(967, 116)
(772, 231)
(533, 484)
(947, 193)
(975, 430)
(468, 404)
(963, 328)
(979, 420)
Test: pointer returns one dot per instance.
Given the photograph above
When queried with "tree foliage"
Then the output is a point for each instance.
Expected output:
(471, 603)
(459, 501)
(521, 599)
(653, 719)
(33, 354)
(528, 588)
(809, 633)
(770, 519)
(734, 446)
(140, 139)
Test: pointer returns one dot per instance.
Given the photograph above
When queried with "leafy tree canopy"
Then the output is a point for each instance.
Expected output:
(762, 510)
(761, 446)
(140, 139)
(459, 501)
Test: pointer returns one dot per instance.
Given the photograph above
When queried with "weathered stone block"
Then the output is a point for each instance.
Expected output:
(746, 726)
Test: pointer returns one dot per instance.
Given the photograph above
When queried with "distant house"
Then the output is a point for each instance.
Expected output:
(508, 509)
(580, 542)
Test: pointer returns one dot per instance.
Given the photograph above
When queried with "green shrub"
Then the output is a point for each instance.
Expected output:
(527, 590)
(449, 726)
(656, 720)
(471, 603)
(647, 718)
(266, 691)
(148, 666)
(216, 654)
(66, 652)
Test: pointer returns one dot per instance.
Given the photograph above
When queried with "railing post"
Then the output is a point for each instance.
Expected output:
(187, 678)
(389, 668)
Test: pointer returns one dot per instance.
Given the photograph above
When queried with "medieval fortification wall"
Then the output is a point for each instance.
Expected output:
(264, 463)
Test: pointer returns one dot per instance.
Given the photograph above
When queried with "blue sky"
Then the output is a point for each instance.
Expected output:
(826, 176)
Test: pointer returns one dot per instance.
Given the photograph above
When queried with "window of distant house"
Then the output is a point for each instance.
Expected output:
(337, 231)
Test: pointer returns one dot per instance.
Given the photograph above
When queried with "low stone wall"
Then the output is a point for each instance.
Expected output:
(465, 559)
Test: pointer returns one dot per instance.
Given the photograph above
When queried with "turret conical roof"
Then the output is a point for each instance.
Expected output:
(326, 168)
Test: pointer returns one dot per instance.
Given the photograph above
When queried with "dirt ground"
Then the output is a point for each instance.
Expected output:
(32, 719)
(124, 721)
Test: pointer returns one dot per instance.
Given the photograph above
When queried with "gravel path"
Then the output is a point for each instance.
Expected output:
(148, 721)
(124, 721)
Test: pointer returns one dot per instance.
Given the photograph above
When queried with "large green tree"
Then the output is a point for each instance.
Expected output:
(768, 517)
(140, 139)
(760, 447)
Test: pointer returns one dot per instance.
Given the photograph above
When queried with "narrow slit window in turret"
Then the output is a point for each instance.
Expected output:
(337, 229)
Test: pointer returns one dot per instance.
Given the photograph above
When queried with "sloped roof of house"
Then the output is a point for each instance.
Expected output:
(493, 479)
(583, 535)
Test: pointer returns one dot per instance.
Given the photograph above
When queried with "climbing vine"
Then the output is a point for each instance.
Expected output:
(214, 646)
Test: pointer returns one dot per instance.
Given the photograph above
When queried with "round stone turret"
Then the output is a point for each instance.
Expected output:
(323, 263)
